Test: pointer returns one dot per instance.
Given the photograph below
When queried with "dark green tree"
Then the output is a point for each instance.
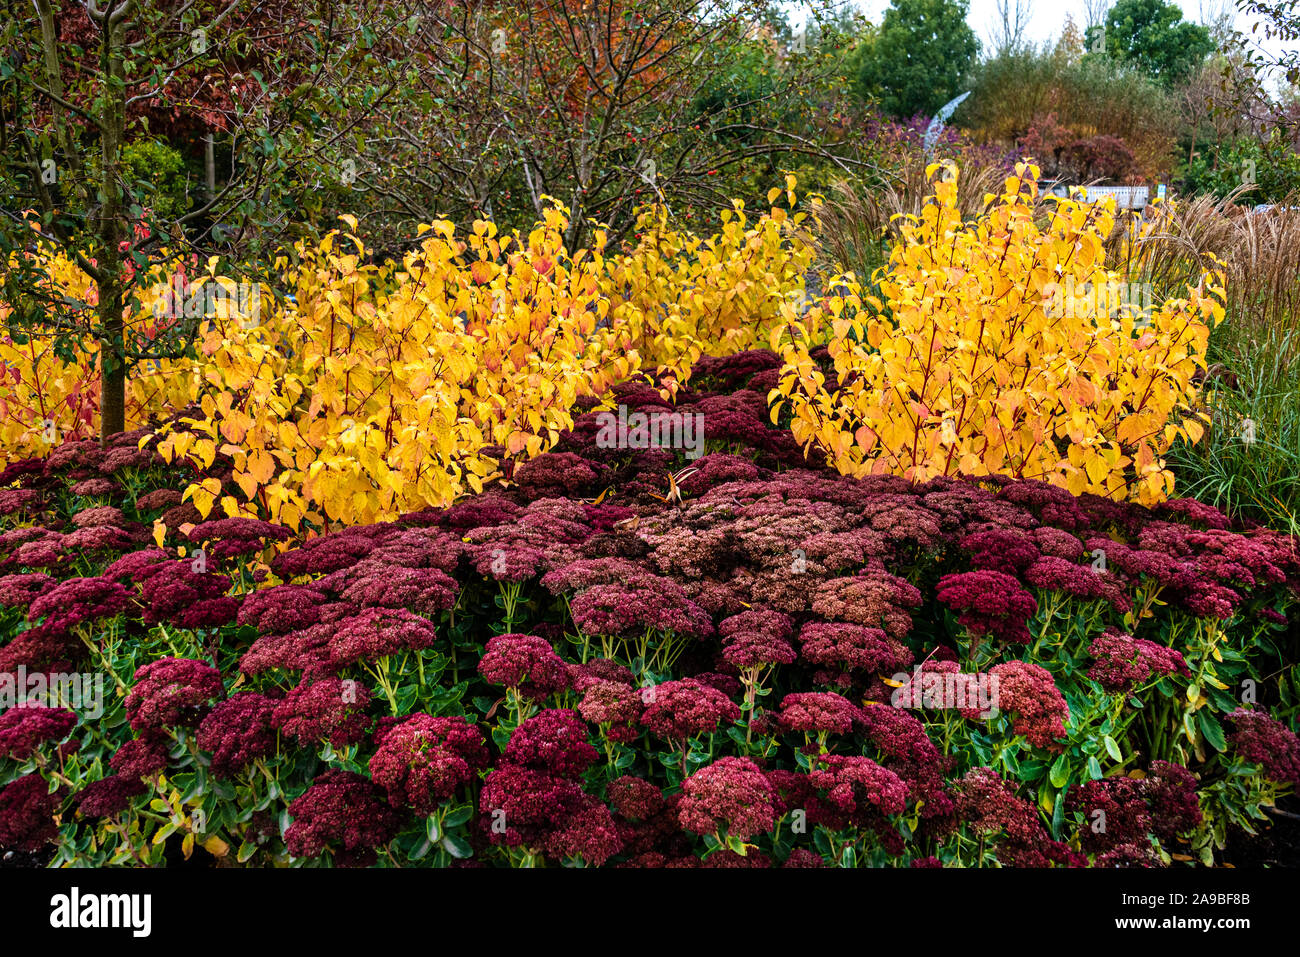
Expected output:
(919, 59)
(1153, 36)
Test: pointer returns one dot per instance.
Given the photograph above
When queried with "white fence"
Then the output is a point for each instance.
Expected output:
(1126, 197)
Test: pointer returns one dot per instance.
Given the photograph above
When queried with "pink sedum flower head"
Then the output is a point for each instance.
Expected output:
(525, 662)
(171, 692)
(423, 760)
(730, 796)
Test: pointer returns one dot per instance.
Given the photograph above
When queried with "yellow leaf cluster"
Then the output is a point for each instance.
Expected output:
(368, 389)
(683, 296)
(972, 362)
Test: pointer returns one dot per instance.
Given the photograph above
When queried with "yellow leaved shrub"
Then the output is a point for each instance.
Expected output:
(380, 389)
(999, 346)
(357, 390)
(683, 295)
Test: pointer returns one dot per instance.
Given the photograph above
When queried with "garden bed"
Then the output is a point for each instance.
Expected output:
(628, 656)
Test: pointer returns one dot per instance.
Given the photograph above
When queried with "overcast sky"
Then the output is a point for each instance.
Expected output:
(1047, 17)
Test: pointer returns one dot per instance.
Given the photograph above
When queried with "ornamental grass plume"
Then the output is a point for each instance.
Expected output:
(345, 813)
(423, 760)
(172, 692)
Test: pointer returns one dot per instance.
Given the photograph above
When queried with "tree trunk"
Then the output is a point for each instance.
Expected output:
(210, 165)
(112, 231)
(112, 399)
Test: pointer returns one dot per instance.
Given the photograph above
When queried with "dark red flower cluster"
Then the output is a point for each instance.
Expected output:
(525, 662)
(553, 742)
(819, 712)
(990, 603)
(1265, 741)
(24, 728)
(859, 788)
(27, 810)
(534, 797)
(345, 813)
(843, 650)
(989, 805)
(676, 710)
(646, 602)
(614, 705)
(177, 594)
(326, 709)
(422, 760)
(79, 601)
(171, 692)
(1124, 662)
(1037, 707)
(729, 797)
(233, 537)
(238, 732)
(142, 757)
